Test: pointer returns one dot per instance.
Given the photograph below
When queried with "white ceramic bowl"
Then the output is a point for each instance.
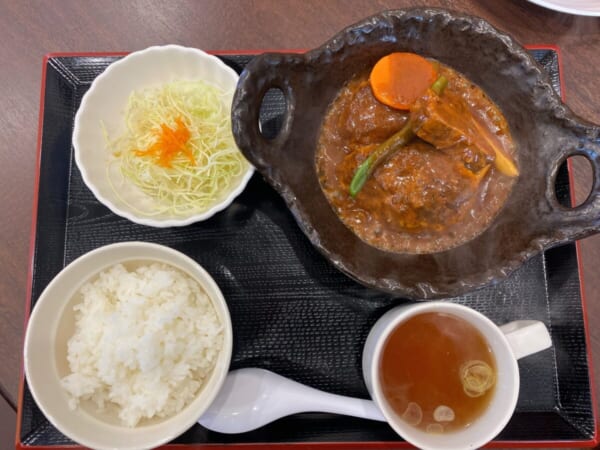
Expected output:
(52, 322)
(105, 103)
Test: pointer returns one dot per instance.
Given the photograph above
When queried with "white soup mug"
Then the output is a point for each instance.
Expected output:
(508, 343)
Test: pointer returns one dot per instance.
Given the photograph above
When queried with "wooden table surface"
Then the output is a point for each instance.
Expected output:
(30, 29)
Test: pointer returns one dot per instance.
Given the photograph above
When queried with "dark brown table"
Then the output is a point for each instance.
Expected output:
(30, 29)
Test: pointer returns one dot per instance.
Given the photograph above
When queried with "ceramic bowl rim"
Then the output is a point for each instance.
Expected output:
(79, 146)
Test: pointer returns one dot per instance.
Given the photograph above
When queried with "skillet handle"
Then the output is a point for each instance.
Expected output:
(583, 220)
(266, 71)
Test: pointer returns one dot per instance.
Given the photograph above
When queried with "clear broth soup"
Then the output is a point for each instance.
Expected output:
(437, 372)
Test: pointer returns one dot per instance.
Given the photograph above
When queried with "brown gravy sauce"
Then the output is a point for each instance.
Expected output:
(421, 200)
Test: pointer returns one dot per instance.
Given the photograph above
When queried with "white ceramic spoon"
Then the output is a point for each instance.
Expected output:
(251, 398)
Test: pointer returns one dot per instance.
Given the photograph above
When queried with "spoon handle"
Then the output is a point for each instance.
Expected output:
(308, 399)
(348, 406)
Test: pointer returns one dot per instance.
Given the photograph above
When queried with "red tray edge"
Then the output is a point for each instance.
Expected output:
(374, 445)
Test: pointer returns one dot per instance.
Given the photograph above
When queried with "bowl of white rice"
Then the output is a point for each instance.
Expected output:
(128, 346)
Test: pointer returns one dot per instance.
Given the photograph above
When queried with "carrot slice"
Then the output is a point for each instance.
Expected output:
(398, 79)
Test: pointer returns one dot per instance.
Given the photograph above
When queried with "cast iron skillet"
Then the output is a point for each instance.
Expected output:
(545, 131)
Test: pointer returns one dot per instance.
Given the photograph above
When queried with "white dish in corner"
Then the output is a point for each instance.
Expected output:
(578, 7)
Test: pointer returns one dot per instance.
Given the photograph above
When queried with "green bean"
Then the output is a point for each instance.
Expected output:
(380, 154)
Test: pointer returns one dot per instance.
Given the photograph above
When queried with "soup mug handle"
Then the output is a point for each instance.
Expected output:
(526, 337)
(269, 71)
(575, 223)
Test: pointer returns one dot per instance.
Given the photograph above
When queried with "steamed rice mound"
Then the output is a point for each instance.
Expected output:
(145, 340)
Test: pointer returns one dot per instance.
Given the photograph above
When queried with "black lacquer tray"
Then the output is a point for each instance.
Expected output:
(292, 311)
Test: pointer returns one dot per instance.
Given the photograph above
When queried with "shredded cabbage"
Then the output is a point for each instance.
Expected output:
(184, 188)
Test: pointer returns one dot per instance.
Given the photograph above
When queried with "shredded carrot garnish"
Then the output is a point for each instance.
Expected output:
(170, 143)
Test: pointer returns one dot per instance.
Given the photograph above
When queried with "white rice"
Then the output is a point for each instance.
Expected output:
(145, 340)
